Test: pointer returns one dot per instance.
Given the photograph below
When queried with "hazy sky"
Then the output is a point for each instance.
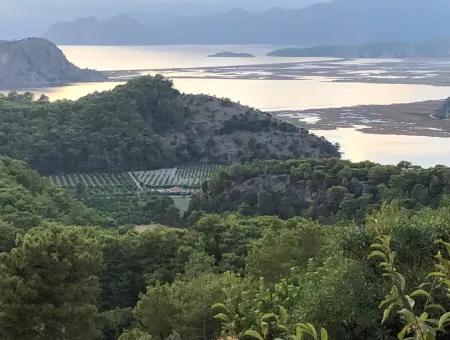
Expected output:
(21, 18)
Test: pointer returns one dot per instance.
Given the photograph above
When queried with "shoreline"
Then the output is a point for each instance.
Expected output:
(346, 70)
(411, 119)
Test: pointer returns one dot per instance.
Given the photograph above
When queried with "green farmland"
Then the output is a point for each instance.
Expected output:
(181, 181)
(139, 197)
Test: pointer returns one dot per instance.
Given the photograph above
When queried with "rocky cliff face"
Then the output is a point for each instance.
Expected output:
(36, 62)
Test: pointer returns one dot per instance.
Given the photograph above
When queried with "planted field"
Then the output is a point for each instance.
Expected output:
(93, 180)
(183, 180)
(185, 177)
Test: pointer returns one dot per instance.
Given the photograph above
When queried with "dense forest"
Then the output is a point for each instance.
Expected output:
(66, 272)
(27, 200)
(327, 190)
(145, 124)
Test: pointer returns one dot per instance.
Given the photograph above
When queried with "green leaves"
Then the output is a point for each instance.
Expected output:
(307, 329)
(420, 293)
(224, 317)
(26, 200)
(415, 322)
(253, 334)
(444, 320)
(188, 306)
(48, 286)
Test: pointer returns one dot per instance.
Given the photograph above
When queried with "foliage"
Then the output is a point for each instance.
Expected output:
(139, 209)
(113, 130)
(135, 334)
(271, 326)
(133, 259)
(48, 286)
(266, 277)
(422, 316)
(112, 322)
(227, 239)
(183, 306)
(26, 199)
(279, 250)
(328, 190)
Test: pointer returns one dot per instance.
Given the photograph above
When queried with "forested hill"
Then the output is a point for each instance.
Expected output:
(327, 190)
(27, 200)
(145, 124)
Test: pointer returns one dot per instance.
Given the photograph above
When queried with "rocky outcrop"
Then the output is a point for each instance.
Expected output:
(36, 62)
(221, 131)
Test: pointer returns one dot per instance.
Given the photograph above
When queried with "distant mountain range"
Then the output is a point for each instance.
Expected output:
(25, 18)
(430, 49)
(341, 22)
(117, 30)
(37, 62)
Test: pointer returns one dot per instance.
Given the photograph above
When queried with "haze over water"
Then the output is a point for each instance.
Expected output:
(270, 95)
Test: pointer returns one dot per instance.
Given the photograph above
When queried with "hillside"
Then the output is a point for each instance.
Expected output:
(36, 62)
(431, 49)
(143, 125)
(327, 190)
(342, 22)
(27, 200)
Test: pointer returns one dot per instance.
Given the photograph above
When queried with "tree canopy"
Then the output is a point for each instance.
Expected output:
(327, 190)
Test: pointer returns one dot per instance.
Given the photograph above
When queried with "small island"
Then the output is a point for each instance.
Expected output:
(227, 54)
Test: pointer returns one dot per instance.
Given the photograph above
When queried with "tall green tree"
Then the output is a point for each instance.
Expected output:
(279, 250)
(184, 306)
(49, 287)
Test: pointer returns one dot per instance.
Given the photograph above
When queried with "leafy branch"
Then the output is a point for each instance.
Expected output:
(417, 322)
(271, 326)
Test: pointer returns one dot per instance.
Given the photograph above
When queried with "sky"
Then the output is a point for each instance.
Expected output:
(22, 18)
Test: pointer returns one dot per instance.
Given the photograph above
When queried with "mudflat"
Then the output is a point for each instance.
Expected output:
(414, 119)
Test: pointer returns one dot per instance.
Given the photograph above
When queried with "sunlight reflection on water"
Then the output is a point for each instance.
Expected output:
(389, 149)
(271, 95)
